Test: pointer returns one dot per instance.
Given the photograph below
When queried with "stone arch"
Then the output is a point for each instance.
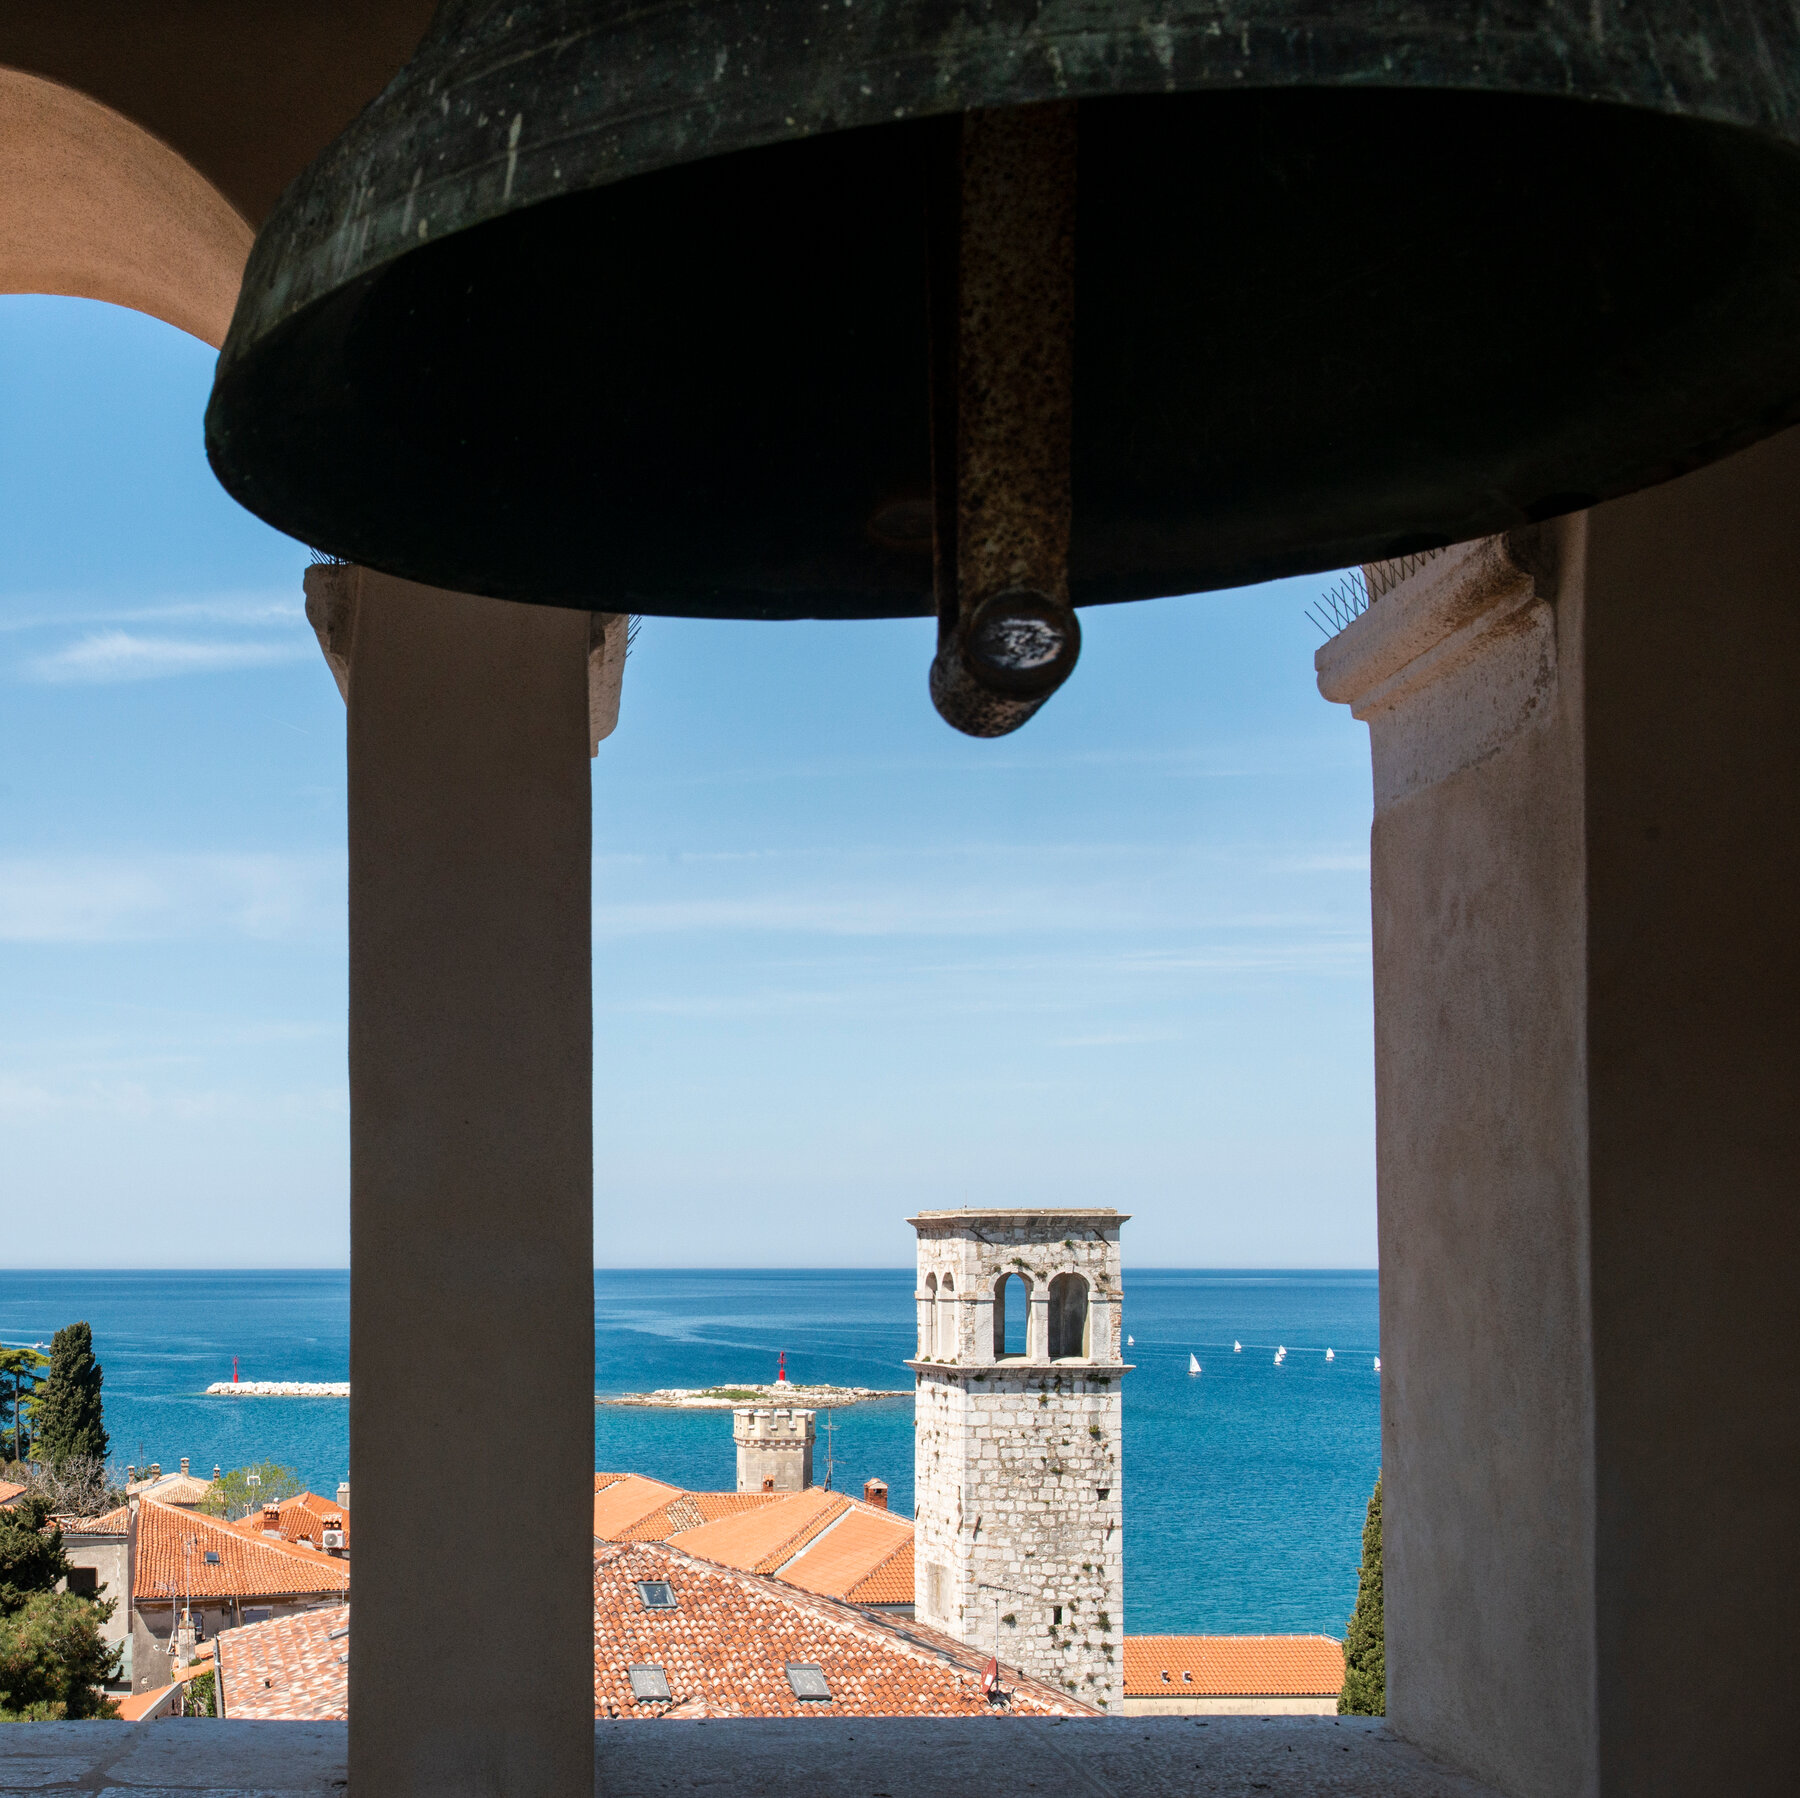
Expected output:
(928, 1319)
(946, 1318)
(1012, 1318)
(1068, 1317)
(95, 207)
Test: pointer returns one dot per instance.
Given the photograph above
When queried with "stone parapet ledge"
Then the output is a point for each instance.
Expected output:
(849, 1757)
(331, 595)
(1448, 664)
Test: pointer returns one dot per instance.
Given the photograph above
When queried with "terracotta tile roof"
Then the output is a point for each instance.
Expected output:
(844, 1555)
(302, 1519)
(891, 1582)
(247, 1569)
(726, 1645)
(140, 1704)
(623, 1502)
(692, 1509)
(871, 1565)
(1233, 1666)
(762, 1540)
(172, 1489)
(288, 1669)
(9, 1491)
(109, 1523)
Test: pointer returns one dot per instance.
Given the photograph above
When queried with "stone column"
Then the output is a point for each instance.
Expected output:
(1037, 1323)
(471, 1668)
(1585, 739)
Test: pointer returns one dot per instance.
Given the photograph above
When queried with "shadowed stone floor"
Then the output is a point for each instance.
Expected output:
(898, 1757)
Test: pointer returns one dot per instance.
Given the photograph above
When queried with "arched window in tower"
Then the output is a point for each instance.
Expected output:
(928, 1319)
(1012, 1315)
(946, 1313)
(1068, 1317)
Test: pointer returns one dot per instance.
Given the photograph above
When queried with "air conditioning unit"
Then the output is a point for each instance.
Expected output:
(332, 1538)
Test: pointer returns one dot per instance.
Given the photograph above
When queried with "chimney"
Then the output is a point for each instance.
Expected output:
(271, 1520)
(343, 1495)
(875, 1493)
(156, 1470)
(769, 1483)
(215, 1470)
(184, 1467)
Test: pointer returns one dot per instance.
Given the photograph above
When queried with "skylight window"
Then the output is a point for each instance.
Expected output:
(808, 1682)
(212, 1557)
(648, 1684)
(657, 1594)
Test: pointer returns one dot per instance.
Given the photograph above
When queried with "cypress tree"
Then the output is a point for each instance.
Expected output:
(68, 1416)
(1365, 1646)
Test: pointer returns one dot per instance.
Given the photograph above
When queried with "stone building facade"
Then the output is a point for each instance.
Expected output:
(1017, 1451)
(774, 1448)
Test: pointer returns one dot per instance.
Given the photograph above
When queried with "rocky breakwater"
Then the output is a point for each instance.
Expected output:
(279, 1389)
(728, 1398)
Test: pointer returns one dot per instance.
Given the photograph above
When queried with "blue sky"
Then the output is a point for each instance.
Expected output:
(847, 962)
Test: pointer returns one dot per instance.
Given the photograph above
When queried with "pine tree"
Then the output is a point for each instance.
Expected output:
(20, 1370)
(67, 1417)
(53, 1658)
(1365, 1646)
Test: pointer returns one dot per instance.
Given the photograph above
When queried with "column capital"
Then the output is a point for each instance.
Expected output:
(1455, 654)
(332, 589)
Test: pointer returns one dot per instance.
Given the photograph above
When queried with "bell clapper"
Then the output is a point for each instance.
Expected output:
(1002, 238)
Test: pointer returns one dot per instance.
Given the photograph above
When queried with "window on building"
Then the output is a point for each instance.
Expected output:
(946, 1312)
(1012, 1315)
(1056, 1614)
(928, 1320)
(808, 1682)
(83, 1579)
(212, 1557)
(657, 1594)
(1068, 1317)
(937, 1584)
(649, 1685)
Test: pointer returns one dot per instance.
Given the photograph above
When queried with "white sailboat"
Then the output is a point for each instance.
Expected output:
(1237, 1348)
(1131, 1342)
(1378, 1364)
(1329, 1355)
(1193, 1363)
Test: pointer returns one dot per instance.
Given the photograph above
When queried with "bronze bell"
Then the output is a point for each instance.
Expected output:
(866, 308)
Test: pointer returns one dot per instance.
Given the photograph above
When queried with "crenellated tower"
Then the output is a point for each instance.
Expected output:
(1017, 1454)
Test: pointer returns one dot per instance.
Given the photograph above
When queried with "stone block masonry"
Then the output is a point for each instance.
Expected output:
(774, 1448)
(1017, 1457)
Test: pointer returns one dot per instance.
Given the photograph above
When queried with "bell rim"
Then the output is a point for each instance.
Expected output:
(301, 254)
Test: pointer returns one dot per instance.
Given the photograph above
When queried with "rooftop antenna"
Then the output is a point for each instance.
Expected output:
(828, 1429)
(991, 1688)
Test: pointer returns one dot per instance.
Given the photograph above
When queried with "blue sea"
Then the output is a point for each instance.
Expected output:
(1245, 1487)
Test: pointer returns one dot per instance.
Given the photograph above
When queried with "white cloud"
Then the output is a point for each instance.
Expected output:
(97, 899)
(61, 612)
(122, 656)
(1330, 861)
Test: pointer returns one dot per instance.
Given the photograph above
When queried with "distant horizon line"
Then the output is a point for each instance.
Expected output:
(683, 1267)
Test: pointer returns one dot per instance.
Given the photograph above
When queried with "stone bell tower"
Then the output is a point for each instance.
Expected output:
(1017, 1476)
(774, 1448)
